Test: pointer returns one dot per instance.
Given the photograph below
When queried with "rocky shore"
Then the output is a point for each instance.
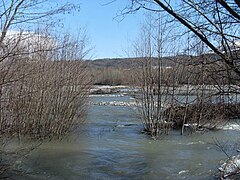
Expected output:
(230, 169)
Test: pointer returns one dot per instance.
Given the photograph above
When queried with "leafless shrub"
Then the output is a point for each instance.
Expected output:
(44, 97)
(43, 83)
(41, 97)
(198, 91)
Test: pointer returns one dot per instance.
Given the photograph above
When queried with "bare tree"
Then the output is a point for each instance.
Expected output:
(18, 13)
(153, 78)
(215, 22)
(190, 77)
(43, 81)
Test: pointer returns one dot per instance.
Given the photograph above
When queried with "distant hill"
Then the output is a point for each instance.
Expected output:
(127, 63)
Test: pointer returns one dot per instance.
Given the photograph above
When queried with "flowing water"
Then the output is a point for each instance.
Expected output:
(110, 145)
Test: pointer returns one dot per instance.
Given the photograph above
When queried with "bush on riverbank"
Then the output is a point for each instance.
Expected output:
(45, 100)
(45, 103)
(203, 115)
(44, 87)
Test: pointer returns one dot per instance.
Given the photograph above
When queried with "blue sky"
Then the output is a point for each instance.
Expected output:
(109, 36)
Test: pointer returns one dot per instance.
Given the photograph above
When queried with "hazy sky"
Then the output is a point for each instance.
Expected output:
(110, 37)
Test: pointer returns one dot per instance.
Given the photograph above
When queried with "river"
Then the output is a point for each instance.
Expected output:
(110, 145)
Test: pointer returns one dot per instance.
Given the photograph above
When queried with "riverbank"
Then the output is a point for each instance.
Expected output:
(177, 90)
(105, 89)
(214, 116)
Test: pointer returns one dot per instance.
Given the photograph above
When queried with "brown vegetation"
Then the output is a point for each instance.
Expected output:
(44, 83)
(205, 115)
(46, 102)
(199, 78)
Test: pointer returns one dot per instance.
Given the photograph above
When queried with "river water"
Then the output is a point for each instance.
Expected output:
(111, 145)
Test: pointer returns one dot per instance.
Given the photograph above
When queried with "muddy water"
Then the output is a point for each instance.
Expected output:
(110, 145)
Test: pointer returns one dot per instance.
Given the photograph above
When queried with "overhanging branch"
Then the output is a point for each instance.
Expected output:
(198, 34)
